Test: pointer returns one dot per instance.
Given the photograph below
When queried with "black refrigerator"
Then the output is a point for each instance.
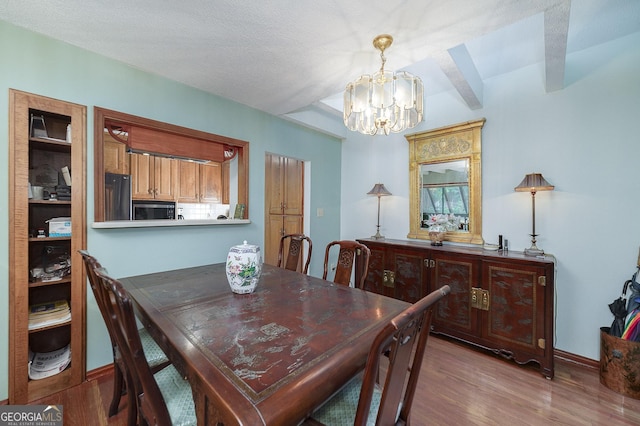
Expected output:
(117, 197)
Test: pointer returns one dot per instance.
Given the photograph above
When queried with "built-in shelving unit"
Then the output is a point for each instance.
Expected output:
(45, 136)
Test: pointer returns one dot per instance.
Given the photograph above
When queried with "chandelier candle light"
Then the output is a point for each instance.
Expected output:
(386, 101)
(378, 190)
(533, 183)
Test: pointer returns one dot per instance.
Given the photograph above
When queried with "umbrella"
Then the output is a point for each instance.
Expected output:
(619, 310)
(634, 286)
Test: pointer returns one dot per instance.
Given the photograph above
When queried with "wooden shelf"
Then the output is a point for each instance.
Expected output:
(40, 283)
(45, 239)
(50, 327)
(50, 202)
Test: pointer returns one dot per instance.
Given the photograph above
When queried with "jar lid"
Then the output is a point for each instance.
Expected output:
(245, 248)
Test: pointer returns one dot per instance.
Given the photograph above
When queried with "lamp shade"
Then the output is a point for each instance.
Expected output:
(379, 190)
(534, 182)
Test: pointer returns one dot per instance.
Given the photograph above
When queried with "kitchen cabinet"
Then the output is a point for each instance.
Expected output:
(200, 183)
(499, 301)
(45, 267)
(284, 199)
(116, 158)
(153, 177)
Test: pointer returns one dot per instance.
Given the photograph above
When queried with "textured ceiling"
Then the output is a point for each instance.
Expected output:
(284, 57)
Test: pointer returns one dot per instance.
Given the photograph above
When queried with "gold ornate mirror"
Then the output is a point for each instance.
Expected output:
(445, 181)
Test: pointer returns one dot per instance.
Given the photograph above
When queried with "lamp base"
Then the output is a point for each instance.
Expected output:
(533, 251)
(378, 236)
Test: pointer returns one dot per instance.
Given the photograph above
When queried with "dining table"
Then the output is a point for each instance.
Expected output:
(270, 357)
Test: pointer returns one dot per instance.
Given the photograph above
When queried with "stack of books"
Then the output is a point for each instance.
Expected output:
(49, 313)
(46, 364)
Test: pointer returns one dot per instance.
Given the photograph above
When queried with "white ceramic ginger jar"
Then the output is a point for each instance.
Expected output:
(244, 265)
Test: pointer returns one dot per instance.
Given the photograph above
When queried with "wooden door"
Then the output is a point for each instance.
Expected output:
(142, 177)
(274, 184)
(293, 187)
(165, 178)
(284, 205)
(211, 183)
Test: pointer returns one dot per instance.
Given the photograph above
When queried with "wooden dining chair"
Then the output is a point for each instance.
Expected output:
(156, 358)
(294, 245)
(163, 398)
(353, 258)
(363, 400)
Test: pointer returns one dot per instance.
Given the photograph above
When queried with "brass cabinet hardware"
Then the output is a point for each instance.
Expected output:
(429, 263)
(388, 278)
(484, 305)
(542, 280)
(542, 343)
(480, 298)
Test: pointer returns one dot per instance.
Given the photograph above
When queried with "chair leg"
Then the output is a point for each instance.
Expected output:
(118, 390)
(132, 409)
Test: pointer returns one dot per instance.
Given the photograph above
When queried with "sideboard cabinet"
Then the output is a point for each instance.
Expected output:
(500, 301)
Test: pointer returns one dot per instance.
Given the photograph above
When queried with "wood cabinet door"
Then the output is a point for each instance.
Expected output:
(273, 232)
(516, 317)
(211, 183)
(188, 191)
(165, 178)
(274, 184)
(142, 177)
(293, 187)
(375, 281)
(116, 159)
(454, 314)
(276, 227)
(411, 276)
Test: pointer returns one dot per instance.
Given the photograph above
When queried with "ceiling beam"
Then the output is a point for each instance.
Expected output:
(556, 28)
(457, 65)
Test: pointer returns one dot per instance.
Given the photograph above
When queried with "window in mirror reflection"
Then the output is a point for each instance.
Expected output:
(445, 190)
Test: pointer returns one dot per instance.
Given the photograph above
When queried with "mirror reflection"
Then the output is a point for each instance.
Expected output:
(445, 191)
(148, 170)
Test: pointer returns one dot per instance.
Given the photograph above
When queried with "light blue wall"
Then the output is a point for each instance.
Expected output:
(583, 139)
(36, 64)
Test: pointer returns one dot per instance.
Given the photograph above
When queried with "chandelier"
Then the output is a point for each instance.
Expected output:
(386, 101)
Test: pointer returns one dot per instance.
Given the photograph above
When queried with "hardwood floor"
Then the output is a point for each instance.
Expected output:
(459, 385)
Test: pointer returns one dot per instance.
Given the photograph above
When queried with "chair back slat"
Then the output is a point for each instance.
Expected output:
(408, 330)
(293, 246)
(353, 259)
(151, 405)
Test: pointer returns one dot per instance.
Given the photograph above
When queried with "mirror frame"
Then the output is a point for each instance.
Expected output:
(455, 142)
(102, 115)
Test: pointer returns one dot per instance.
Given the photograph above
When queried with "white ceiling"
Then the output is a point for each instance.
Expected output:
(290, 57)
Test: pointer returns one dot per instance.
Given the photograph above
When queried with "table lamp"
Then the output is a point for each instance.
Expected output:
(378, 190)
(533, 183)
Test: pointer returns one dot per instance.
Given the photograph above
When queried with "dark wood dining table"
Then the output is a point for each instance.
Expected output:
(265, 358)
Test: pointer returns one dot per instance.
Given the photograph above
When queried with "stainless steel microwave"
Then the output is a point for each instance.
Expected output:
(153, 210)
